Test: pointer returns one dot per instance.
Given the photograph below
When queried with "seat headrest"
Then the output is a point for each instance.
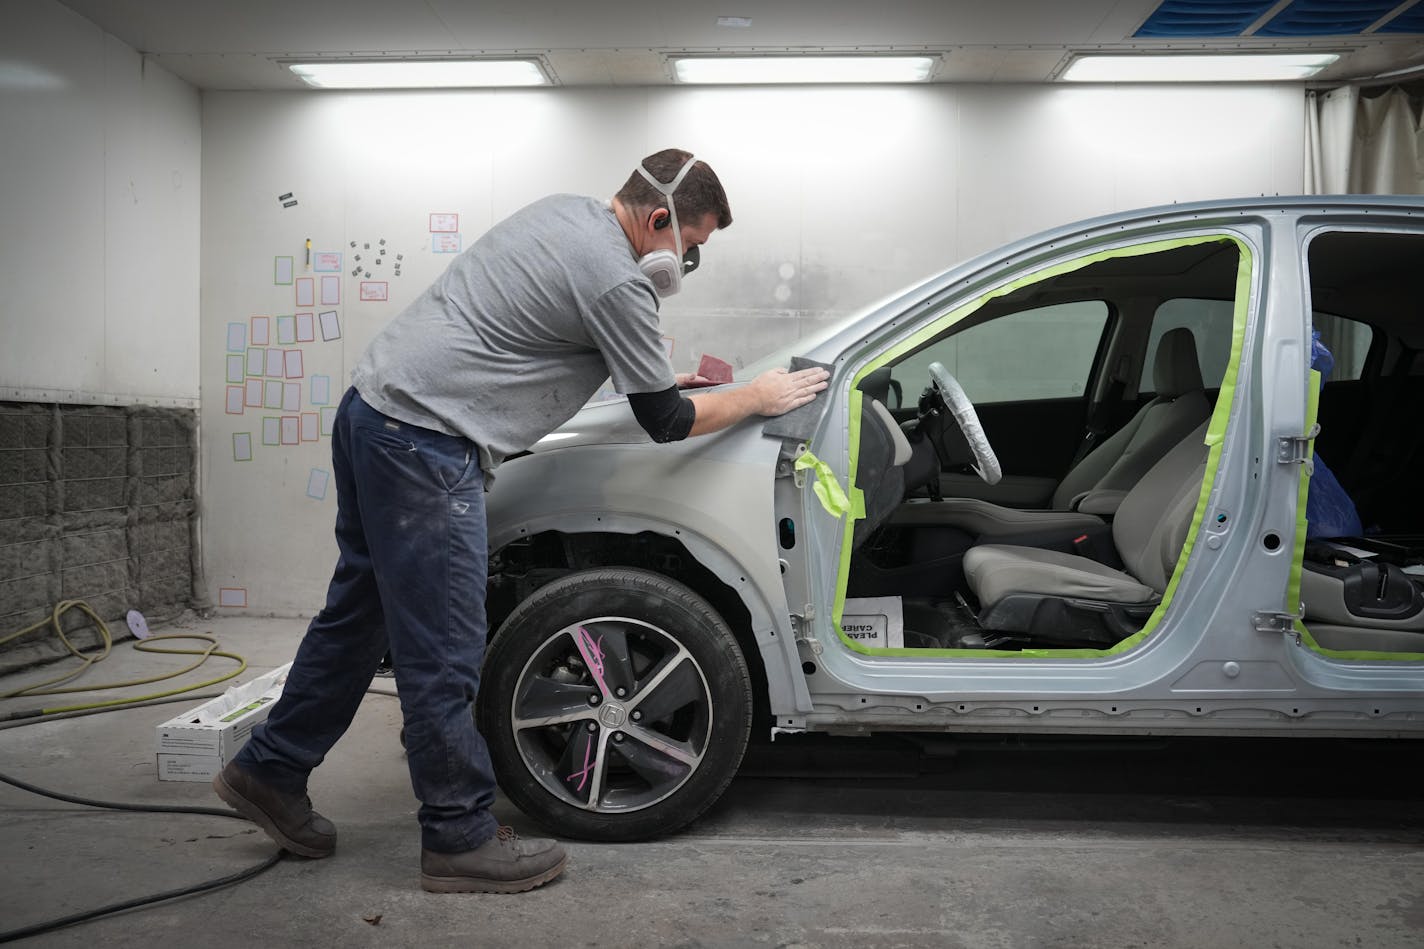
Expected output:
(1176, 370)
(892, 428)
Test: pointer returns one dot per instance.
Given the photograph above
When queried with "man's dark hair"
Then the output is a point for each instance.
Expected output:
(699, 195)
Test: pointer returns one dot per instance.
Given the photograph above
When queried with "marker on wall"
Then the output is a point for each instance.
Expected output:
(309, 253)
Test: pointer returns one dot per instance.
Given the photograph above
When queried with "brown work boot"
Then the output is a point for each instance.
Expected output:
(287, 818)
(505, 863)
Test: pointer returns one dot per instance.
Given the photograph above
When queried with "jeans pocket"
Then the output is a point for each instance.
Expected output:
(388, 440)
(450, 460)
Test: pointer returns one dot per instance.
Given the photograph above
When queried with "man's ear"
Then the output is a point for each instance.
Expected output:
(661, 218)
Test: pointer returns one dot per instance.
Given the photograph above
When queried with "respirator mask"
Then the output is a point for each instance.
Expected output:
(664, 267)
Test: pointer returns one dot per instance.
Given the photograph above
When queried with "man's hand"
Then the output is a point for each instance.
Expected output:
(691, 380)
(774, 392)
(780, 391)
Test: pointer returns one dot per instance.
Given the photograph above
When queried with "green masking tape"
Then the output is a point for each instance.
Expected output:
(828, 490)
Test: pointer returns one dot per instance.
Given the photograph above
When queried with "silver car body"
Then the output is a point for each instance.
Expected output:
(1226, 656)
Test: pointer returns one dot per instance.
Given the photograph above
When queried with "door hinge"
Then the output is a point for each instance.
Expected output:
(1267, 621)
(804, 623)
(1295, 449)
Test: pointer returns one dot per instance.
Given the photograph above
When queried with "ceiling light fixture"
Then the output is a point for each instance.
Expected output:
(1192, 67)
(801, 69)
(420, 73)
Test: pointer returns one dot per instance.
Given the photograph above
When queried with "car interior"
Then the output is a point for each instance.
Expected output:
(1076, 544)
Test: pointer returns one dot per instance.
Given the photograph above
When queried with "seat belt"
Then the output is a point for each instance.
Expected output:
(1098, 419)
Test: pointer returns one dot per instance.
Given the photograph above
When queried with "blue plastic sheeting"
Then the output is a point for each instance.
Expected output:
(1329, 512)
(1178, 18)
(1410, 21)
(1327, 17)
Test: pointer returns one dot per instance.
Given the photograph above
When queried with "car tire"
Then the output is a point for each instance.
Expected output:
(616, 703)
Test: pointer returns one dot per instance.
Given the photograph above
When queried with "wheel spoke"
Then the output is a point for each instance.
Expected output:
(674, 686)
(617, 660)
(579, 765)
(651, 763)
(600, 770)
(549, 702)
(605, 653)
(676, 750)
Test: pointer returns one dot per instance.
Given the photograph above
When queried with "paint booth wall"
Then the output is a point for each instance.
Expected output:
(839, 196)
(99, 216)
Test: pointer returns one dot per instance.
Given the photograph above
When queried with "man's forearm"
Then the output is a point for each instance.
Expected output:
(772, 393)
(717, 410)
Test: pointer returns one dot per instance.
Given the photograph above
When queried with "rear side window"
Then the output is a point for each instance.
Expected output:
(1043, 353)
(1210, 324)
(1349, 343)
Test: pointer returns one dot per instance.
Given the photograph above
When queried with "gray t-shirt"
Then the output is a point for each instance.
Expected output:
(520, 331)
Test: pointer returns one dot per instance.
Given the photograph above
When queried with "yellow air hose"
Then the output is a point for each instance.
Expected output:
(87, 660)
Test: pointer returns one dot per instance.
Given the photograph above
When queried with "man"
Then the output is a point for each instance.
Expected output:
(508, 344)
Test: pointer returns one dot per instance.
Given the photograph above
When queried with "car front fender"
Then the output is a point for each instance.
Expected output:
(712, 495)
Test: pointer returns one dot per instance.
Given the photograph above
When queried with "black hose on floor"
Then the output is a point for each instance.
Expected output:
(81, 917)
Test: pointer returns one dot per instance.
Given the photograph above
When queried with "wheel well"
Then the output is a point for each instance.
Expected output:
(527, 564)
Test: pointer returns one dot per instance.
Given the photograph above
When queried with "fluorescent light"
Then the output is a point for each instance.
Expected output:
(421, 74)
(771, 69)
(1237, 67)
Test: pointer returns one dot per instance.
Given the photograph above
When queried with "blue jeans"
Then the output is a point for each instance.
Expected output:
(410, 528)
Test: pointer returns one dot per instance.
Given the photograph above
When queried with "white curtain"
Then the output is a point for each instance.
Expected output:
(1359, 144)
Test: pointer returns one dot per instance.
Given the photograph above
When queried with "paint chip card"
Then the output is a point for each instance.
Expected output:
(320, 390)
(241, 446)
(253, 396)
(291, 399)
(261, 331)
(236, 337)
(234, 400)
(232, 596)
(316, 484)
(306, 328)
(293, 358)
(271, 430)
(309, 427)
(282, 271)
(330, 326)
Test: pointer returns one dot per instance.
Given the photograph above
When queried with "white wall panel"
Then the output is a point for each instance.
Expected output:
(99, 205)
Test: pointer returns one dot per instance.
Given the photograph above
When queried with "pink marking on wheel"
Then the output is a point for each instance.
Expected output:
(587, 767)
(592, 652)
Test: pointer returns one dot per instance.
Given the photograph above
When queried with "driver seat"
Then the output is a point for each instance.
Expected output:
(1101, 481)
(1055, 595)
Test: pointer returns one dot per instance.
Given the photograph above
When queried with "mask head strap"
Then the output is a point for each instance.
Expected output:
(668, 189)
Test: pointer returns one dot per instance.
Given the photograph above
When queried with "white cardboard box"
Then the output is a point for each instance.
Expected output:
(877, 621)
(195, 745)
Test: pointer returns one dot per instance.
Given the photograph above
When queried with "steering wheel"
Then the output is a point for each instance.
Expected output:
(951, 394)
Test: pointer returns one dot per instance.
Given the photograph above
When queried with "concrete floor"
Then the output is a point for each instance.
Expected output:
(818, 843)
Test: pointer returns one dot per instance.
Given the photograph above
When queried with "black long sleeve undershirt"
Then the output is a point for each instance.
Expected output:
(665, 415)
